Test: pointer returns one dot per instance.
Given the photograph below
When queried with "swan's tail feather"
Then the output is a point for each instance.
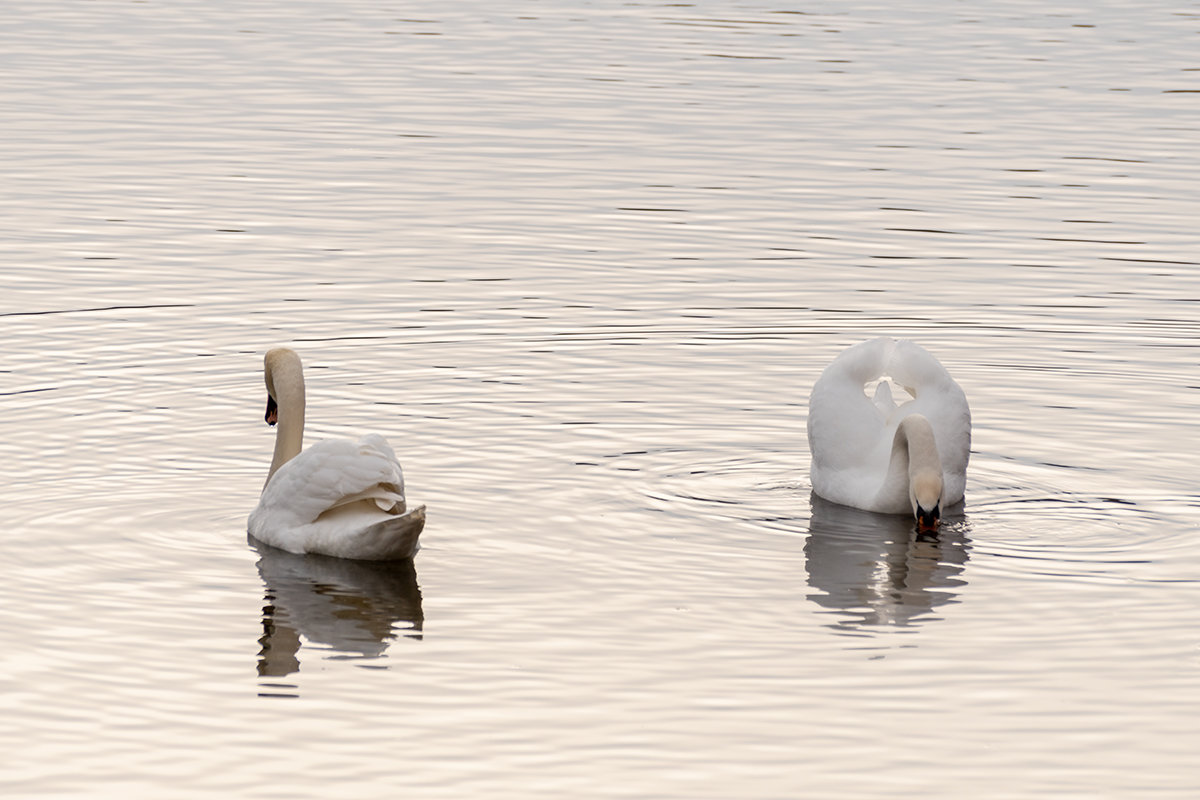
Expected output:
(394, 538)
(883, 398)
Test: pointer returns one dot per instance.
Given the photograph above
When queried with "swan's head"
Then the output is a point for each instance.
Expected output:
(925, 492)
(282, 372)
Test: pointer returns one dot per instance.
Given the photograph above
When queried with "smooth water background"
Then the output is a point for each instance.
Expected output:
(581, 264)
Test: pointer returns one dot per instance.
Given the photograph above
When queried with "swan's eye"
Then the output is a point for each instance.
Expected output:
(272, 411)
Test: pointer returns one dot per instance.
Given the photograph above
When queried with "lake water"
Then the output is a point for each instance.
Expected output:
(581, 264)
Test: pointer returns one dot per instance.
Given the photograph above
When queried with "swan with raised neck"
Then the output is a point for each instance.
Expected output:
(284, 375)
(339, 497)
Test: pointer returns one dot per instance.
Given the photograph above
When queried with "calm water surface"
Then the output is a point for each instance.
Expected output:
(581, 263)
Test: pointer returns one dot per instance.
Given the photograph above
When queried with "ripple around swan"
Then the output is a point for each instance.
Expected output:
(865, 570)
(758, 492)
(871, 570)
(1040, 521)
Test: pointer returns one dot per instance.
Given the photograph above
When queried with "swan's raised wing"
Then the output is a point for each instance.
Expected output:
(335, 473)
(845, 427)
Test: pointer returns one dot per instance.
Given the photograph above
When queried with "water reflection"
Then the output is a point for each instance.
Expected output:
(874, 569)
(352, 608)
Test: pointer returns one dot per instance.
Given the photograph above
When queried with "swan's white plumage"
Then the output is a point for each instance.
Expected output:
(851, 436)
(339, 497)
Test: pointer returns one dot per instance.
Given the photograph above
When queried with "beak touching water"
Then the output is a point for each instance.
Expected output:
(928, 521)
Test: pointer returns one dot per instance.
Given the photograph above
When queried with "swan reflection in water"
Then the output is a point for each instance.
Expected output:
(877, 570)
(350, 608)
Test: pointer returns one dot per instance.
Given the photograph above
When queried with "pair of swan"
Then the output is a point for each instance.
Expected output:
(346, 498)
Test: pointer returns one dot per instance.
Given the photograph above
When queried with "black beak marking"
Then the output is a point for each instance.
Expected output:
(929, 519)
(272, 415)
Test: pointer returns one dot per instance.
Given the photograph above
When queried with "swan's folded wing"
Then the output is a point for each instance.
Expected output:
(334, 473)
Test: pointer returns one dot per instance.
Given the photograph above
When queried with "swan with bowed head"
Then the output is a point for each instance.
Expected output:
(877, 455)
(339, 497)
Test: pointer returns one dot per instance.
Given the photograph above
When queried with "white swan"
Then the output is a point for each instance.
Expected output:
(339, 497)
(879, 456)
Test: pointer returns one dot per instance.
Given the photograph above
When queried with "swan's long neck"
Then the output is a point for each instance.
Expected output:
(915, 464)
(285, 383)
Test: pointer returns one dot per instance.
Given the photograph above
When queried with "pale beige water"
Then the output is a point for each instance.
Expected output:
(581, 264)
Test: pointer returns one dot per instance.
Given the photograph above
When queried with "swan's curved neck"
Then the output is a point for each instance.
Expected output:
(915, 434)
(915, 456)
(285, 383)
